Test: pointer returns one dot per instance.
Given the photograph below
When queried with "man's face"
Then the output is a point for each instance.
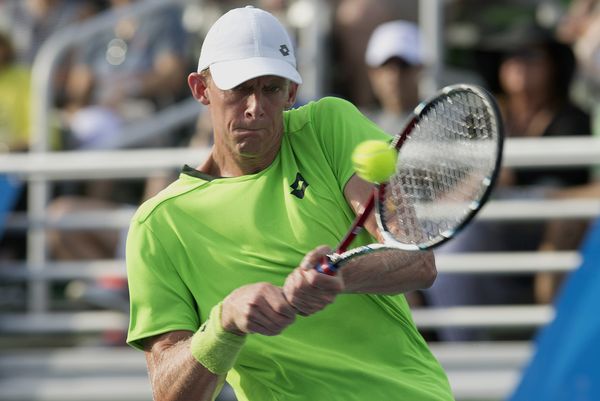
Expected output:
(248, 119)
(395, 84)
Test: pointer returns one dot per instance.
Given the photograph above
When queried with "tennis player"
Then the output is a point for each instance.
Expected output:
(220, 263)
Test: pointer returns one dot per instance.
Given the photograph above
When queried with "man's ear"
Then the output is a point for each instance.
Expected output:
(292, 92)
(199, 87)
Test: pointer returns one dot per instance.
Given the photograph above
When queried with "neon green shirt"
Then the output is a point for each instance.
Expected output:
(201, 238)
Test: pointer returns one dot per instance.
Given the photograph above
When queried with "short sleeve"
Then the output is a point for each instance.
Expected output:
(340, 126)
(159, 299)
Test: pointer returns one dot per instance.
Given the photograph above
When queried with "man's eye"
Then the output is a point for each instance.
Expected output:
(272, 88)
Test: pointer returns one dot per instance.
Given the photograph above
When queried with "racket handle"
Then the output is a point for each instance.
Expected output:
(326, 267)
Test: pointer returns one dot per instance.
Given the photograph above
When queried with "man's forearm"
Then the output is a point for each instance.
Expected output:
(177, 376)
(389, 272)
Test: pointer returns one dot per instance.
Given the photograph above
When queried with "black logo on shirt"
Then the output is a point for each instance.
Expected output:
(283, 49)
(299, 186)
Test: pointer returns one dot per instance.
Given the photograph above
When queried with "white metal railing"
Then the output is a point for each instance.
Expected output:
(42, 95)
(94, 373)
(455, 263)
(520, 153)
(517, 316)
(567, 152)
(527, 210)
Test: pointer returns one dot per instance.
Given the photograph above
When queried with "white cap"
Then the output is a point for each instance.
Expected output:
(246, 43)
(394, 39)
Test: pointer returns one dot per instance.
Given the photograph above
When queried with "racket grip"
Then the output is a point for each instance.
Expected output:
(326, 267)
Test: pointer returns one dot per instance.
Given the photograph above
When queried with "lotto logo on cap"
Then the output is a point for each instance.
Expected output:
(246, 43)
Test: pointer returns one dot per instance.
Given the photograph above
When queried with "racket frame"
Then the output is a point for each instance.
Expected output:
(332, 263)
(488, 182)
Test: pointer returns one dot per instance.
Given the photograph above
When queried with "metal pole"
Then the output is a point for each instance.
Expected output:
(431, 23)
(312, 19)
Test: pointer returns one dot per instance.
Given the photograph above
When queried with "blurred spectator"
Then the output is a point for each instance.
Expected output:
(32, 22)
(534, 75)
(126, 74)
(580, 28)
(14, 137)
(14, 100)
(394, 63)
(536, 82)
(353, 23)
(198, 17)
(535, 78)
(120, 76)
(15, 132)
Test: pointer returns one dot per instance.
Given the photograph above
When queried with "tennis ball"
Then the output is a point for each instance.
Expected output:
(374, 161)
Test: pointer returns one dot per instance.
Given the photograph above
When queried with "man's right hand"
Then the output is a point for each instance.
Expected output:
(257, 308)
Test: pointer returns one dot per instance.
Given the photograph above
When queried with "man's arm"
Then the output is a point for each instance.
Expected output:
(174, 373)
(386, 271)
(383, 272)
(173, 358)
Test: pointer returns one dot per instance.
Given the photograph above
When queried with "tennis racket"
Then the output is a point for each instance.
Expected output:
(449, 155)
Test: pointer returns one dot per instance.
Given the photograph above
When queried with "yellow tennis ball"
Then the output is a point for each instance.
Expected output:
(374, 161)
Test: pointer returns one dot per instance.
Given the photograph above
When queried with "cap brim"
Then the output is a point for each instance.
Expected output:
(229, 74)
(376, 62)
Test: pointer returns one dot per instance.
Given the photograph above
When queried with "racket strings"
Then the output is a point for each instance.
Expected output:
(444, 168)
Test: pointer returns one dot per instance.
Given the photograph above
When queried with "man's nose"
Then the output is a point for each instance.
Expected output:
(254, 106)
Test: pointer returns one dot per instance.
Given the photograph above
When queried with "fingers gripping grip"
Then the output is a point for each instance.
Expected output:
(325, 266)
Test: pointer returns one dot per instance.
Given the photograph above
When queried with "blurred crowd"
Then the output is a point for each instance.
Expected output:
(542, 62)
